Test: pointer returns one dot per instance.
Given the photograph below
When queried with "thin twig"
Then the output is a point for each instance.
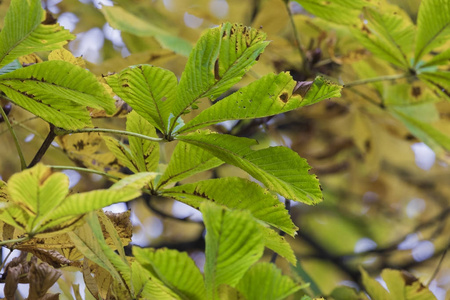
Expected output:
(44, 147)
(377, 79)
(436, 271)
(60, 131)
(23, 164)
(14, 241)
(287, 203)
(85, 170)
(297, 40)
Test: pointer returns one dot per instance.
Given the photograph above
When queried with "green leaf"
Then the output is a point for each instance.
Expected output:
(279, 168)
(149, 90)
(442, 58)
(233, 244)
(36, 192)
(186, 161)
(58, 92)
(14, 65)
(439, 81)
(219, 60)
(375, 290)
(389, 35)
(433, 26)
(122, 152)
(236, 193)
(416, 101)
(174, 269)
(401, 285)
(24, 34)
(427, 133)
(145, 152)
(265, 282)
(78, 204)
(147, 287)
(120, 19)
(268, 96)
(278, 244)
(337, 11)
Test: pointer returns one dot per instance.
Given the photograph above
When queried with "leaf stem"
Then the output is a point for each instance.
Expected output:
(18, 240)
(296, 36)
(23, 163)
(60, 131)
(44, 147)
(85, 170)
(377, 79)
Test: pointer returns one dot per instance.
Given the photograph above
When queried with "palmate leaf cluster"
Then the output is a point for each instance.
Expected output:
(240, 215)
(419, 50)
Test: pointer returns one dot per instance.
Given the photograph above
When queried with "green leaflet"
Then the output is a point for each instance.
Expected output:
(268, 96)
(219, 60)
(389, 35)
(439, 59)
(151, 91)
(186, 161)
(120, 19)
(278, 244)
(147, 287)
(37, 193)
(439, 81)
(427, 133)
(280, 169)
(233, 244)
(24, 34)
(433, 26)
(265, 282)
(142, 155)
(39, 201)
(58, 92)
(146, 152)
(236, 193)
(174, 269)
(337, 11)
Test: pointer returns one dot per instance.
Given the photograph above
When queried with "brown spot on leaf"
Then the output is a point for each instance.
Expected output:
(284, 97)
(416, 91)
(216, 70)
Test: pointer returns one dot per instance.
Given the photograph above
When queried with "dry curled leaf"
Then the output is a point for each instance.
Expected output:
(41, 277)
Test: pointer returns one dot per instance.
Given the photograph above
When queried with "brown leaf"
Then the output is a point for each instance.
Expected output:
(122, 224)
(41, 277)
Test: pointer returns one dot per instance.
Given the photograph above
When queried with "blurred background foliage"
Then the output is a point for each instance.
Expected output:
(386, 192)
